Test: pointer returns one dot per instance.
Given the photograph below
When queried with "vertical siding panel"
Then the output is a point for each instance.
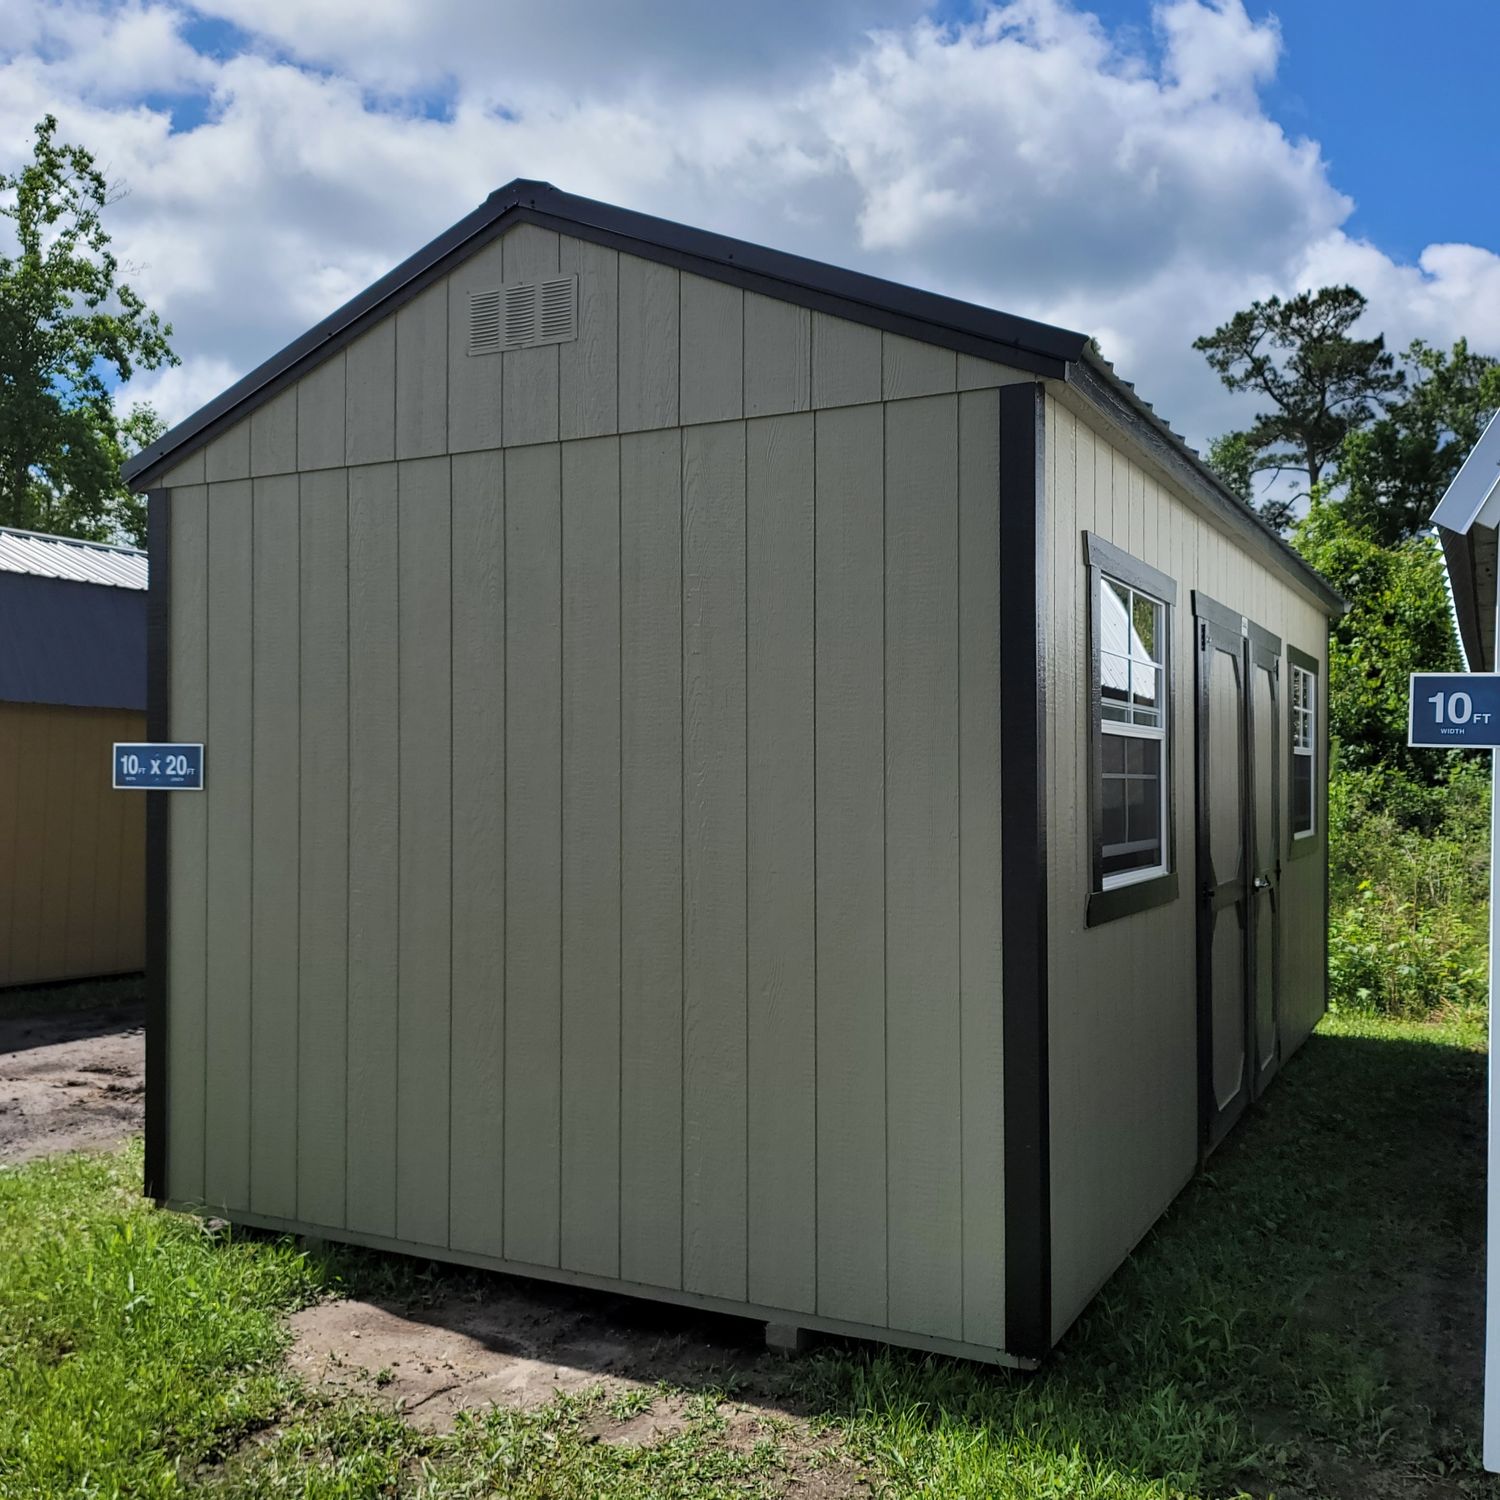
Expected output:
(370, 396)
(31, 839)
(422, 374)
(588, 369)
(11, 854)
(923, 1175)
(228, 456)
(649, 345)
(911, 368)
(323, 965)
(477, 1107)
(850, 821)
(187, 831)
(426, 839)
(981, 1019)
(529, 378)
(473, 379)
(845, 362)
(226, 1143)
(778, 356)
(273, 435)
(374, 858)
(713, 336)
(192, 470)
(651, 858)
(713, 670)
(321, 403)
(274, 936)
(86, 783)
(55, 788)
(781, 940)
(533, 852)
(591, 856)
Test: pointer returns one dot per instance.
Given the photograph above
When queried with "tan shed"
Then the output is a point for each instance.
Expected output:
(729, 780)
(72, 682)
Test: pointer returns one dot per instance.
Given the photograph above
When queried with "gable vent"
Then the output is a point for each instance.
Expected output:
(484, 322)
(523, 315)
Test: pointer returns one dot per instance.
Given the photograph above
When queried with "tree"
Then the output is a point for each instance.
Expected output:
(66, 323)
(1395, 471)
(1232, 458)
(1321, 382)
(1399, 622)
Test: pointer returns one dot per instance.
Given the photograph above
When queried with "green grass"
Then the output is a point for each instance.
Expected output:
(1305, 1321)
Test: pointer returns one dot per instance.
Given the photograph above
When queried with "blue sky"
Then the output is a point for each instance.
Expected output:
(1136, 170)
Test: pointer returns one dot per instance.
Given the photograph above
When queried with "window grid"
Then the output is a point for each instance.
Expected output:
(1132, 712)
(1304, 706)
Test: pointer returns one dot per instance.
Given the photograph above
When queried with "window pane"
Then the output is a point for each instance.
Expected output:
(1132, 807)
(1114, 812)
(1145, 687)
(1115, 754)
(1114, 618)
(1302, 793)
(1145, 619)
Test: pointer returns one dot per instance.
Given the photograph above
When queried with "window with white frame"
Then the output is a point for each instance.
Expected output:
(1303, 725)
(1133, 763)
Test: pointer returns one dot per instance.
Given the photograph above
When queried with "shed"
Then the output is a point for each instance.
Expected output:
(729, 780)
(72, 682)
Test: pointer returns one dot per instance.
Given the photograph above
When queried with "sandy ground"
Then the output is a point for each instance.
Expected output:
(71, 1082)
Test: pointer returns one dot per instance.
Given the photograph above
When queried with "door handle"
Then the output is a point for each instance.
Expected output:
(1262, 883)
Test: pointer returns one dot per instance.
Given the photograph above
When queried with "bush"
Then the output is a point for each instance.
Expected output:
(1408, 890)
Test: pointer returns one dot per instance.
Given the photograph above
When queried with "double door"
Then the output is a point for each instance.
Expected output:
(1239, 863)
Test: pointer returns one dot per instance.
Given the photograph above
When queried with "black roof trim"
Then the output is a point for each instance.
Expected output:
(1038, 348)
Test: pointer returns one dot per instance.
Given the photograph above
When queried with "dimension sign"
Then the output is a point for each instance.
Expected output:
(158, 768)
(1454, 710)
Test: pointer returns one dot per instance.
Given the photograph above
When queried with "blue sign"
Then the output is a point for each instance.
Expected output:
(1454, 710)
(159, 768)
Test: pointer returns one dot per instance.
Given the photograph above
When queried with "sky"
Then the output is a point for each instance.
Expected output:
(1133, 170)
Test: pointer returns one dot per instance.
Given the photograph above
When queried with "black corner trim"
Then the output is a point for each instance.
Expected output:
(1126, 900)
(1023, 857)
(1098, 553)
(157, 721)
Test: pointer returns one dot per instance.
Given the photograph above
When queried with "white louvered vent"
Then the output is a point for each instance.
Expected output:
(524, 315)
(484, 322)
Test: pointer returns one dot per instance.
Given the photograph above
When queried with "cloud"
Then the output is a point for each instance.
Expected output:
(1030, 158)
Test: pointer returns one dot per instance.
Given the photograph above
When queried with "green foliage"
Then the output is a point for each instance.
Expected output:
(1399, 622)
(1408, 890)
(1322, 382)
(1395, 470)
(66, 323)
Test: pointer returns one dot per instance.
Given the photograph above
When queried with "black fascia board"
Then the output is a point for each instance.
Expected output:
(983, 332)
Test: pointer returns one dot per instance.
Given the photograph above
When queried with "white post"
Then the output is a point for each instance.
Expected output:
(1492, 1169)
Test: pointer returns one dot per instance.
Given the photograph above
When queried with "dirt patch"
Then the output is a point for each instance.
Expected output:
(71, 1082)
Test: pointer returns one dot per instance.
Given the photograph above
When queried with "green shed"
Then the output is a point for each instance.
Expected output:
(727, 779)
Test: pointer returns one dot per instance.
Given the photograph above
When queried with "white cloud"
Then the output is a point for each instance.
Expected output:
(1030, 159)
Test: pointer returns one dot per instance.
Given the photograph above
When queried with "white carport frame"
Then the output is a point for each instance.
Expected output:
(1467, 518)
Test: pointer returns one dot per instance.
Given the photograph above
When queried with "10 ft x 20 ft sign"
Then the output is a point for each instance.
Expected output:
(1454, 710)
(158, 767)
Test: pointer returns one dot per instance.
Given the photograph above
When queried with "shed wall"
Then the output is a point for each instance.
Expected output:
(72, 850)
(598, 873)
(1123, 1020)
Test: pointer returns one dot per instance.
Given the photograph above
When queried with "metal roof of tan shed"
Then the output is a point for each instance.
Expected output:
(1038, 348)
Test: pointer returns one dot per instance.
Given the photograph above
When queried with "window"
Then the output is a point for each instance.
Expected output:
(1302, 723)
(1131, 768)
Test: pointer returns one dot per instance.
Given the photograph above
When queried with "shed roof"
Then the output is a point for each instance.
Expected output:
(1039, 348)
(45, 556)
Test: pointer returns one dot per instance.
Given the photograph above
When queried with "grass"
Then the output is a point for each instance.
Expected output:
(1304, 1321)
